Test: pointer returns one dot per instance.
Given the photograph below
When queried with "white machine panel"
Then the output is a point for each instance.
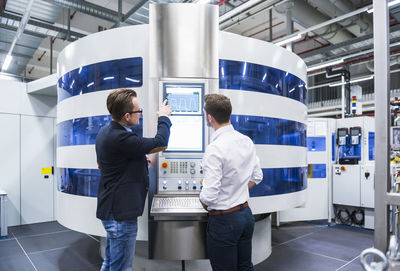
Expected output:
(367, 186)
(37, 192)
(346, 185)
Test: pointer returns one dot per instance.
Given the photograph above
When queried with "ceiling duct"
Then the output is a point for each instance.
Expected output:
(393, 61)
(307, 16)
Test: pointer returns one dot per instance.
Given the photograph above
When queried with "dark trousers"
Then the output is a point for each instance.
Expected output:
(229, 240)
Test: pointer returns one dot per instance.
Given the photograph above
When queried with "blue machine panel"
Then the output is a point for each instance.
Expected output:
(82, 182)
(280, 181)
(83, 131)
(316, 171)
(371, 146)
(127, 72)
(254, 77)
(316, 144)
(234, 75)
(333, 147)
(273, 131)
(85, 182)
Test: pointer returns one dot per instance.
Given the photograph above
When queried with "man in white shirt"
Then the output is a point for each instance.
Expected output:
(231, 168)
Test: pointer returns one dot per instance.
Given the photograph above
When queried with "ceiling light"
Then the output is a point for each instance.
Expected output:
(360, 79)
(286, 41)
(390, 4)
(325, 64)
(7, 62)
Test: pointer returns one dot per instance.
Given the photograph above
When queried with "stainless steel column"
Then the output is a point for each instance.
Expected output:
(183, 47)
(382, 122)
(183, 43)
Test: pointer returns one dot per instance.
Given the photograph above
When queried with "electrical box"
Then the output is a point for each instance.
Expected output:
(367, 186)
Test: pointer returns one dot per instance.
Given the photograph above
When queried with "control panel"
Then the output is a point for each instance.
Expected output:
(180, 175)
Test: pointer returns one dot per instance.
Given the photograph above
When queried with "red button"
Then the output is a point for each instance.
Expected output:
(164, 165)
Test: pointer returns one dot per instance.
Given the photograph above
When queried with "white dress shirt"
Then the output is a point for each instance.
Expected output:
(229, 163)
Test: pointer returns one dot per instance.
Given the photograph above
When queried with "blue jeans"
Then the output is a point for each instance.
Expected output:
(120, 244)
(229, 240)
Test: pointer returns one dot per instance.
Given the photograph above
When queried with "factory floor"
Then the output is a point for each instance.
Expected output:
(300, 246)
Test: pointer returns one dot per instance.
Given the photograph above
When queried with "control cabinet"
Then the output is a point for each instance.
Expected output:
(177, 217)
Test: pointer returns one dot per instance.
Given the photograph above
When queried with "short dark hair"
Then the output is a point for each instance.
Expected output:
(119, 102)
(218, 106)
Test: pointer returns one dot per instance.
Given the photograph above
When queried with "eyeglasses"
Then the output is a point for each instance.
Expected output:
(137, 111)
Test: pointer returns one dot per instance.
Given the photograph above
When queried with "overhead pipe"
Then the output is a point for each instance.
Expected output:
(3, 5)
(230, 15)
(345, 74)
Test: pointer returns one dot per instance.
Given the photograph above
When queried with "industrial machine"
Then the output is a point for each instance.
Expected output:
(181, 62)
(177, 219)
(353, 172)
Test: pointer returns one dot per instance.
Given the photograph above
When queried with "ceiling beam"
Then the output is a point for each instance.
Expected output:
(30, 33)
(87, 8)
(62, 33)
(15, 54)
(18, 45)
(136, 7)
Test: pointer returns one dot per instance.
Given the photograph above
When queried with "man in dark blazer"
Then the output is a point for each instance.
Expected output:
(121, 156)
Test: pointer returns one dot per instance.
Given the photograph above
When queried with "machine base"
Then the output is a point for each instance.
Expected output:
(261, 251)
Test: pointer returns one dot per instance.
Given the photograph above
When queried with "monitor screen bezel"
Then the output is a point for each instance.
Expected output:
(165, 85)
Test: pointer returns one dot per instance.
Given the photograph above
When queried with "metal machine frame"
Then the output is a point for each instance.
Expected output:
(383, 198)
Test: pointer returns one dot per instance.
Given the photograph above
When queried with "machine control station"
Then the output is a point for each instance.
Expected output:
(180, 175)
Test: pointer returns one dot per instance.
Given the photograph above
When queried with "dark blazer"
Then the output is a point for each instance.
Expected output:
(121, 156)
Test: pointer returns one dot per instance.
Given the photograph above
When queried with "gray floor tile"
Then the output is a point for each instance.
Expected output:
(340, 243)
(286, 233)
(37, 228)
(55, 240)
(353, 266)
(10, 248)
(16, 262)
(290, 259)
(71, 259)
(142, 263)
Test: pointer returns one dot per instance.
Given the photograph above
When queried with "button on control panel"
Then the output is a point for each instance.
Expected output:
(180, 175)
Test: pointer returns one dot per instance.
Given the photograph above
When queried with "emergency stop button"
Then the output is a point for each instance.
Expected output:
(164, 164)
